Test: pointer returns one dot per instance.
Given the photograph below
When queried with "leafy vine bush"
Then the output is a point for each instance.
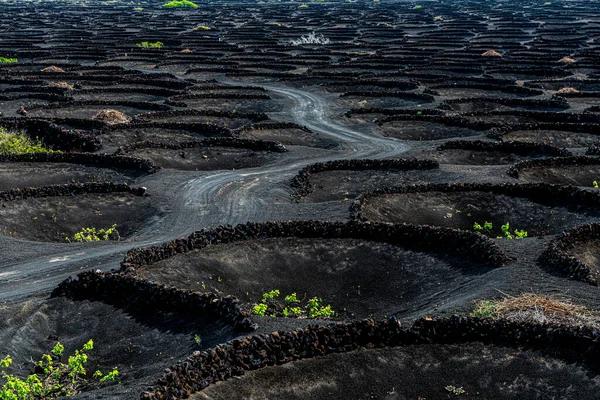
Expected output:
(150, 45)
(292, 307)
(487, 226)
(18, 143)
(93, 235)
(54, 378)
(8, 60)
(180, 3)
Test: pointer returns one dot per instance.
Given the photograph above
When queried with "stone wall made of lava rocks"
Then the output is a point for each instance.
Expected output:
(512, 147)
(71, 189)
(53, 135)
(272, 125)
(555, 102)
(239, 356)
(557, 256)
(541, 193)
(95, 160)
(254, 117)
(143, 105)
(203, 128)
(455, 242)
(301, 182)
(128, 292)
(250, 144)
(553, 162)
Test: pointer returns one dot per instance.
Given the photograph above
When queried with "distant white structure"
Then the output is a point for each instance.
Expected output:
(311, 38)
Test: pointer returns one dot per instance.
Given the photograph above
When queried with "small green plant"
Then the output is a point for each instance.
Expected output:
(315, 310)
(8, 60)
(197, 339)
(260, 309)
(304, 6)
(292, 298)
(292, 312)
(150, 45)
(520, 234)
(57, 380)
(486, 226)
(595, 184)
(484, 308)
(272, 307)
(93, 235)
(417, 7)
(180, 3)
(271, 295)
(202, 27)
(18, 143)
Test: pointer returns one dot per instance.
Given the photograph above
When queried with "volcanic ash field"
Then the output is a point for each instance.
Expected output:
(283, 200)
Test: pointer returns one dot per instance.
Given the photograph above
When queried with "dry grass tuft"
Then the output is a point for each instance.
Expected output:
(491, 53)
(186, 51)
(61, 84)
(566, 60)
(112, 117)
(567, 90)
(539, 309)
(53, 68)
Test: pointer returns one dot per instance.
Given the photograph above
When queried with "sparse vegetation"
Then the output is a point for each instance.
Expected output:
(151, 45)
(18, 143)
(180, 3)
(488, 226)
(93, 235)
(57, 379)
(269, 306)
(536, 308)
(8, 60)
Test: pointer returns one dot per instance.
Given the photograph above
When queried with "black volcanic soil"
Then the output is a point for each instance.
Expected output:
(205, 158)
(127, 135)
(553, 137)
(424, 130)
(289, 136)
(461, 210)
(404, 67)
(358, 278)
(52, 219)
(140, 344)
(348, 184)
(415, 372)
(22, 174)
(589, 254)
(580, 175)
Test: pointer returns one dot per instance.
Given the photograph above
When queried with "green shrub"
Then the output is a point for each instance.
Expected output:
(57, 380)
(18, 143)
(150, 45)
(180, 3)
(484, 308)
(271, 295)
(8, 60)
(93, 235)
(272, 307)
(315, 310)
(260, 309)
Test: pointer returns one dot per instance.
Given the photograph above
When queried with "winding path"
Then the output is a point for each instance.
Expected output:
(221, 197)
